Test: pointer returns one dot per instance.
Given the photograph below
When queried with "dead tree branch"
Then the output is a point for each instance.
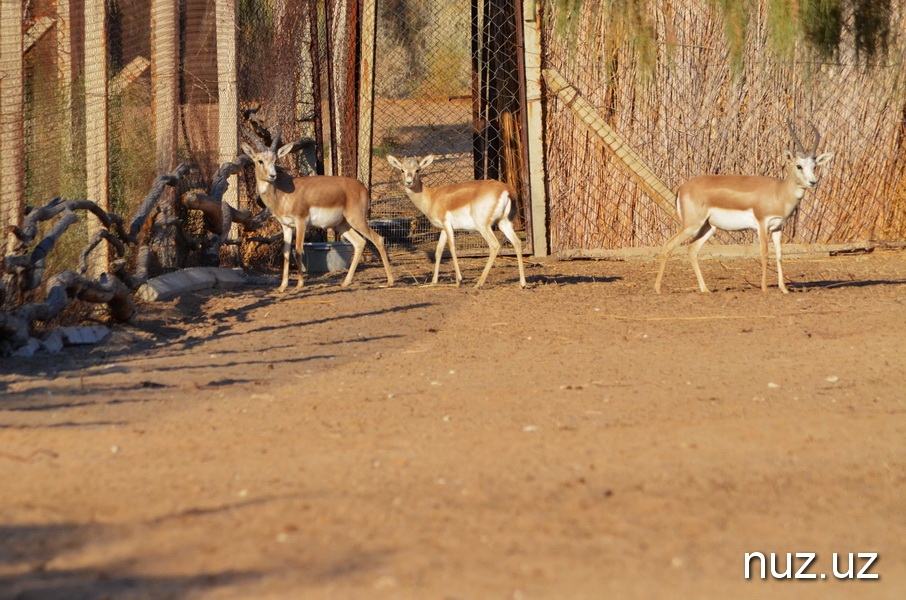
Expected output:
(113, 289)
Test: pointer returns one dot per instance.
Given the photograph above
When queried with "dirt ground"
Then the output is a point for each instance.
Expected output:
(581, 439)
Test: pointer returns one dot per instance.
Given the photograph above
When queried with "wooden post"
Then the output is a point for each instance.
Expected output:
(96, 140)
(366, 91)
(165, 106)
(228, 106)
(535, 129)
(346, 41)
(325, 96)
(63, 31)
(12, 121)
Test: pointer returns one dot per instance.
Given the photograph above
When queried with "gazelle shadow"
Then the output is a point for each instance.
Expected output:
(839, 283)
(570, 279)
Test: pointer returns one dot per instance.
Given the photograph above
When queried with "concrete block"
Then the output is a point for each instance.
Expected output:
(92, 334)
(53, 342)
(170, 285)
(29, 349)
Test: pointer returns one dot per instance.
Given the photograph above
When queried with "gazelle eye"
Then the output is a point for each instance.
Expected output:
(799, 167)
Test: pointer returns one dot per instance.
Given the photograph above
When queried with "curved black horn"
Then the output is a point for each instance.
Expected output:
(817, 139)
(799, 147)
(255, 139)
(276, 143)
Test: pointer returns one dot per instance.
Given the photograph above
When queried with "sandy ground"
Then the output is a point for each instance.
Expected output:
(583, 438)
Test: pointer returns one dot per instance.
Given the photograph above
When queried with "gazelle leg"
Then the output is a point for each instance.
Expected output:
(452, 244)
(360, 224)
(287, 248)
(775, 237)
(684, 234)
(438, 254)
(506, 226)
(763, 247)
(378, 242)
(494, 245)
(693, 256)
(358, 244)
(300, 239)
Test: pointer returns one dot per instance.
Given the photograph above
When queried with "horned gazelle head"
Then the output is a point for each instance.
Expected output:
(265, 159)
(803, 163)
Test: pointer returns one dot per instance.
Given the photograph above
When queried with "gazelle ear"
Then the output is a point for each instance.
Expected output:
(394, 162)
(284, 150)
(788, 155)
(426, 161)
(823, 158)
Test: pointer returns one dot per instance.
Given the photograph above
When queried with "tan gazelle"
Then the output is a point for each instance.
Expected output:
(470, 206)
(737, 202)
(338, 203)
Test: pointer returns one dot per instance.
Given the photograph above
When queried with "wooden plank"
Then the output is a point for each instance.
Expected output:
(535, 134)
(12, 120)
(228, 104)
(63, 32)
(632, 162)
(718, 251)
(96, 133)
(129, 74)
(165, 106)
(37, 31)
(366, 90)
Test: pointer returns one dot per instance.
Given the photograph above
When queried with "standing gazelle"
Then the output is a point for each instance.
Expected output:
(738, 202)
(338, 203)
(470, 206)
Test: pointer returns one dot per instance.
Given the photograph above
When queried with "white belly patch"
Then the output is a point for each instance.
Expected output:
(732, 220)
(461, 218)
(325, 217)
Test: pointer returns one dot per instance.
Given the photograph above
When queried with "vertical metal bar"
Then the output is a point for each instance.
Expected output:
(347, 126)
(477, 74)
(325, 96)
(320, 145)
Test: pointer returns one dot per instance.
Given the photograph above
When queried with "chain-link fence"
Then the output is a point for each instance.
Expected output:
(448, 83)
(692, 116)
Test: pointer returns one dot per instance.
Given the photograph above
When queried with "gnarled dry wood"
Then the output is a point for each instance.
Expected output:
(114, 290)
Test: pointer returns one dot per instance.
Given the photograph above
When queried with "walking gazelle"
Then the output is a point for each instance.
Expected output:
(338, 203)
(470, 206)
(737, 202)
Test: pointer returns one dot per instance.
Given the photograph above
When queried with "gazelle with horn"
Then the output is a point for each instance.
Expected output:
(338, 203)
(737, 202)
(470, 206)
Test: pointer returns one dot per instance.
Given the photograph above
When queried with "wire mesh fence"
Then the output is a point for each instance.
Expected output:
(448, 81)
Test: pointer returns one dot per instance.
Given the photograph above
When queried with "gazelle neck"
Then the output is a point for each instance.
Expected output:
(417, 192)
(268, 193)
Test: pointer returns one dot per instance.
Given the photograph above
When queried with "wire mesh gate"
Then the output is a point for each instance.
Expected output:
(450, 82)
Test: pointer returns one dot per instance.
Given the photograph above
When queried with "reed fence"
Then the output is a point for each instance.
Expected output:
(692, 115)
